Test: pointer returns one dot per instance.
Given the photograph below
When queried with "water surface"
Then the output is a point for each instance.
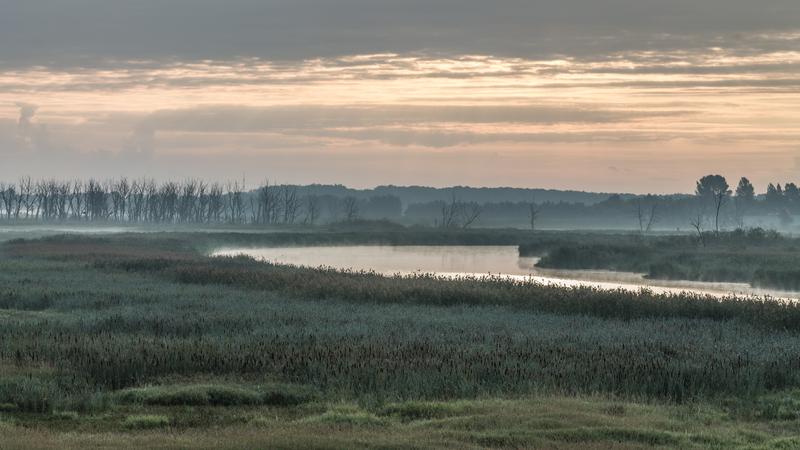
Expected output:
(459, 261)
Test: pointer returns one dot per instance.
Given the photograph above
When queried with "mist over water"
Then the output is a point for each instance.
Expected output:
(462, 261)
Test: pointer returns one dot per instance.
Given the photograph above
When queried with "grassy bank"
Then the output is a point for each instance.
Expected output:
(541, 422)
(142, 340)
(763, 259)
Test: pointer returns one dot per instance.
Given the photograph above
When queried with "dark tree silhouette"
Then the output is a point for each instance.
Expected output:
(745, 197)
(716, 189)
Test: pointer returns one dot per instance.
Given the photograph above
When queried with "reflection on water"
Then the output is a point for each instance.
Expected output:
(459, 261)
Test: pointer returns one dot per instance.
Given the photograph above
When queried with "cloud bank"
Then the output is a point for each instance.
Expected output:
(435, 92)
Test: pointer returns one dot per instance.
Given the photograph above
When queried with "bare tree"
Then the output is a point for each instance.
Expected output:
(312, 209)
(266, 204)
(697, 223)
(646, 216)
(76, 200)
(187, 201)
(26, 192)
(455, 213)
(64, 200)
(202, 202)
(235, 203)
(120, 193)
(40, 193)
(469, 212)
(8, 196)
(719, 201)
(152, 201)
(216, 203)
(168, 202)
(289, 203)
(449, 212)
(137, 199)
(533, 213)
(351, 210)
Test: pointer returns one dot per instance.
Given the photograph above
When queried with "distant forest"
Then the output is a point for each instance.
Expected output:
(714, 205)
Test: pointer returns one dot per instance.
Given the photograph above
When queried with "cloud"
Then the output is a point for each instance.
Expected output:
(179, 84)
(401, 125)
(232, 118)
(26, 113)
(28, 136)
(79, 32)
(684, 68)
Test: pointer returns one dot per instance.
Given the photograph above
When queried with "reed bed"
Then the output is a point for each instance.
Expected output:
(106, 320)
(758, 257)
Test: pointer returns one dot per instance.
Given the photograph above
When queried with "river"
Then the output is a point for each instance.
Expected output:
(461, 261)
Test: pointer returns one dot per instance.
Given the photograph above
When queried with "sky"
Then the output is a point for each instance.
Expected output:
(602, 95)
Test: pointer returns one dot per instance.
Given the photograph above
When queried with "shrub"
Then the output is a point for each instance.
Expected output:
(217, 395)
(28, 394)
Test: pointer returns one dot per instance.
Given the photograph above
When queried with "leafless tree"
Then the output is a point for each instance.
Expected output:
(469, 213)
(8, 196)
(137, 200)
(646, 216)
(202, 202)
(264, 205)
(168, 197)
(76, 200)
(120, 193)
(64, 199)
(153, 201)
(458, 214)
(40, 192)
(719, 202)
(449, 212)
(533, 213)
(289, 203)
(96, 201)
(187, 201)
(26, 192)
(350, 207)
(312, 209)
(216, 203)
(697, 223)
(236, 205)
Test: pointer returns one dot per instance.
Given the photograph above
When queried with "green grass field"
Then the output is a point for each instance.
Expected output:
(142, 341)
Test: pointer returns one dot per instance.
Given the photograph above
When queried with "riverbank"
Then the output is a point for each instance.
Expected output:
(760, 258)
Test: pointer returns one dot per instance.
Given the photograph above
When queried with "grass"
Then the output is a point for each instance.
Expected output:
(135, 328)
(540, 422)
(216, 395)
(758, 257)
(420, 410)
(146, 421)
(142, 341)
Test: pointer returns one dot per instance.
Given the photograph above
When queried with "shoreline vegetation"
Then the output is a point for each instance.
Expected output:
(143, 339)
(759, 257)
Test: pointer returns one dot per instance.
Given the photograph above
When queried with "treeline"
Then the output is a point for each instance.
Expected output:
(715, 205)
(187, 202)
